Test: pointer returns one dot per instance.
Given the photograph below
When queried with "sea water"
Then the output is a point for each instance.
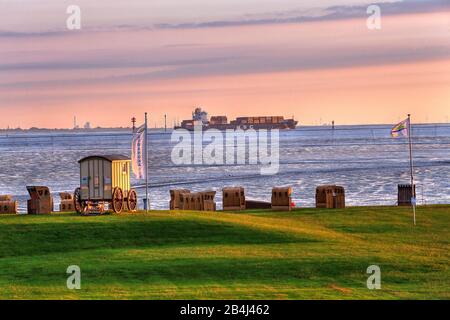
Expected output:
(364, 159)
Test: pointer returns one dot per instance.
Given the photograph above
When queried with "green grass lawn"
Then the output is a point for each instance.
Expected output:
(305, 254)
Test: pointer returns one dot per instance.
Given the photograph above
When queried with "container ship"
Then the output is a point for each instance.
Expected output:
(200, 118)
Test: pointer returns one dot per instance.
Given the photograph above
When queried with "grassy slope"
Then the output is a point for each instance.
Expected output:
(307, 254)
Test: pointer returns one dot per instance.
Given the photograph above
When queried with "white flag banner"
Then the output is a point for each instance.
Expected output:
(138, 153)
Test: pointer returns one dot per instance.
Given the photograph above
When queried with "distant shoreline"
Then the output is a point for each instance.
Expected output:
(63, 130)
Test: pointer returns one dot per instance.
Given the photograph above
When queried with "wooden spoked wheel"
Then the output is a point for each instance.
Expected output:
(79, 205)
(117, 200)
(132, 200)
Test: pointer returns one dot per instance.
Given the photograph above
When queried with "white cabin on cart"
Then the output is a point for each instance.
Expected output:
(105, 179)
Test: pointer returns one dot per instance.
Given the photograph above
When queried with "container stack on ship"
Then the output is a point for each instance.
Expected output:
(200, 118)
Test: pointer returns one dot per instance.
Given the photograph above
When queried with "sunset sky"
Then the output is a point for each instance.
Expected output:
(315, 60)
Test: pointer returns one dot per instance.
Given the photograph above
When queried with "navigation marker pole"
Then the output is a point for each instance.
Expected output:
(413, 193)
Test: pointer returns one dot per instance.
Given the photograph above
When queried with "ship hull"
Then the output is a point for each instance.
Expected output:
(261, 126)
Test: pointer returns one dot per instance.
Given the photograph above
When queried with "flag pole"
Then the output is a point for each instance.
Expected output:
(147, 203)
(413, 193)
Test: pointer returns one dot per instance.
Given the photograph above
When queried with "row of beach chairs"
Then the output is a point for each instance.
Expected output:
(41, 200)
(234, 199)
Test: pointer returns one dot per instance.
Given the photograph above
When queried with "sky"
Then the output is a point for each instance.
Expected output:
(314, 60)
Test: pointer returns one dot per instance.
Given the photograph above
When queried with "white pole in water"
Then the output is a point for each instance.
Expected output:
(413, 193)
(147, 203)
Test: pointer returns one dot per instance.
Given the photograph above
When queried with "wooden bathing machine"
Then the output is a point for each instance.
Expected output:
(105, 180)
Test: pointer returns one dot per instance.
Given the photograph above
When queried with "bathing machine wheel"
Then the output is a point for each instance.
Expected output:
(132, 200)
(117, 200)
